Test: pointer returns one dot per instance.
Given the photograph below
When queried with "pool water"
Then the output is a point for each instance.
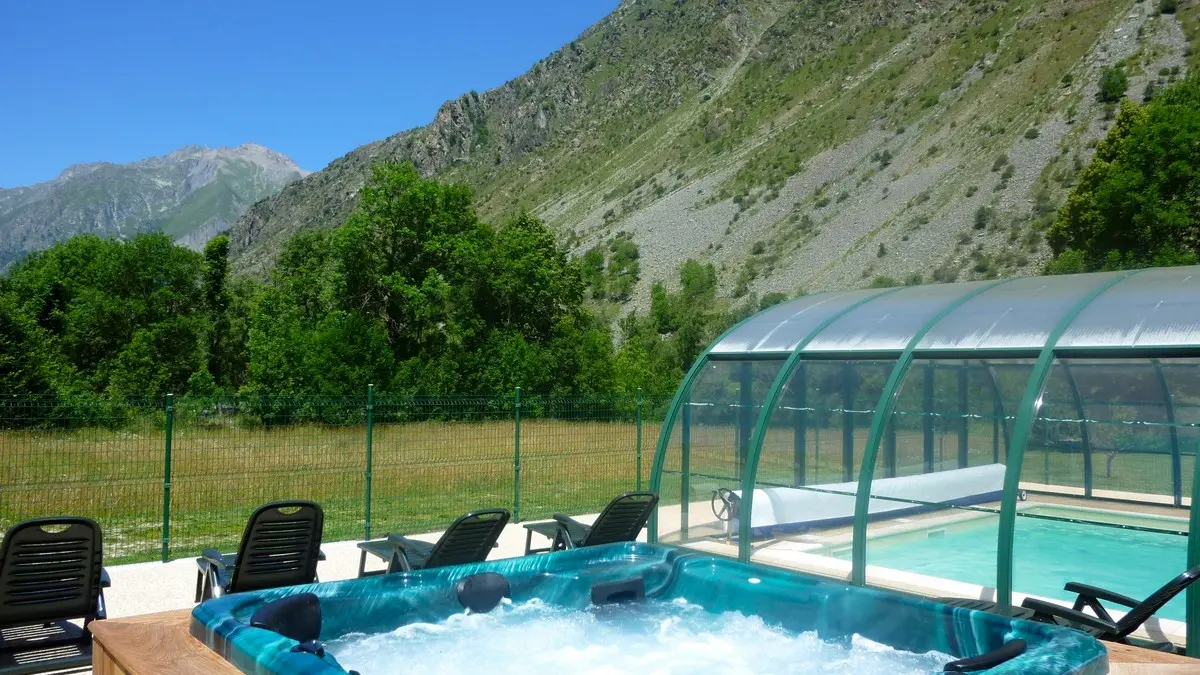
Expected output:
(1047, 554)
(658, 637)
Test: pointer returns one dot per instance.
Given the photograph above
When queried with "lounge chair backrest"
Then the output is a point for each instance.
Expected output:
(469, 539)
(622, 519)
(1147, 608)
(50, 570)
(280, 546)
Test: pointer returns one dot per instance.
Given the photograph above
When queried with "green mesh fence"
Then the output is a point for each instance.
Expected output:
(99, 460)
(168, 477)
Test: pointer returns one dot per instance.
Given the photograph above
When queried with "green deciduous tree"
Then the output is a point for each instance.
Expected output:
(1138, 202)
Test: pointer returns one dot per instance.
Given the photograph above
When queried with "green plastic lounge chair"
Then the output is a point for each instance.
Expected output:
(1102, 626)
(280, 547)
(621, 520)
(50, 572)
(468, 540)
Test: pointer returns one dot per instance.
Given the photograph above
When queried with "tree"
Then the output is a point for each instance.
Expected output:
(1113, 83)
(1138, 202)
(431, 299)
(112, 317)
(226, 349)
(408, 256)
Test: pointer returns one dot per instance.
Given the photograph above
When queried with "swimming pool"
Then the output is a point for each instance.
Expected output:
(698, 613)
(1046, 553)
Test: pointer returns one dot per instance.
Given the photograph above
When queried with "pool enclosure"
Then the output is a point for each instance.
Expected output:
(1033, 429)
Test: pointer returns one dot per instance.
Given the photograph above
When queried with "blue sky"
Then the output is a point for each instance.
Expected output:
(85, 81)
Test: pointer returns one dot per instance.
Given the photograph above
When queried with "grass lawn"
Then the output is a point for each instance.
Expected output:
(423, 475)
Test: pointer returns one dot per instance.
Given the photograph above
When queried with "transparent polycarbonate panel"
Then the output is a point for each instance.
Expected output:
(888, 324)
(939, 476)
(1100, 485)
(708, 447)
(782, 327)
(1132, 443)
(1153, 308)
(1017, 314)
(1055, 453)
(812, 455)
(1183, 383)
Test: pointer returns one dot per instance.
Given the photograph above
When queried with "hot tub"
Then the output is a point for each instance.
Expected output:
(620, 607)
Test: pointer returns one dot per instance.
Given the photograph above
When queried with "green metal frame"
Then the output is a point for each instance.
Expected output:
(166, 507)
(1015, 439)
(638, 422)
(998, 410)
(764, 418)
(1173, 430)
(1085, 437)
(664, 436)
(883, 412)
(367, 473)
(516, 455)
(1193, 559)
(1020, 438)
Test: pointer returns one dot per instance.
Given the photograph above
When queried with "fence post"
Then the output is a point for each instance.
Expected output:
(517, 456)
(639, 439)
(166, 510)
(367, 475)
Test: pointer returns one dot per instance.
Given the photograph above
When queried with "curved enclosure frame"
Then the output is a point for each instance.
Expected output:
(985, 440)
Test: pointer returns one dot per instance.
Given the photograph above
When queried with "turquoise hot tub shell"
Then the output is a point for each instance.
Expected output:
(791, 601)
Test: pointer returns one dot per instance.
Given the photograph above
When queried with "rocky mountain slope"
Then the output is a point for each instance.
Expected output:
(192, 194)
(797, 146)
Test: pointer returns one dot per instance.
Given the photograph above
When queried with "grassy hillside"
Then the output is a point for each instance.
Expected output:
(797, 146)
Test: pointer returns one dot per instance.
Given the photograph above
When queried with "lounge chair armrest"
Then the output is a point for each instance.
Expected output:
(401, 541)
(1100, 594)
(1049, 609)
(214, 557)
(574, 528)
(105, 581)
(567, 521)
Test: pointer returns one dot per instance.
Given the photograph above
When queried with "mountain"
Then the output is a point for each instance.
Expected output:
(192, 194)
(796, 146)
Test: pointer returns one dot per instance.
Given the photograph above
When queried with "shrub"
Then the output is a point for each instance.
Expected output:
(1113, 83)
(1000, 162)
(882, 250)
(984, 216)
(1031, 133)
(822, 202)
(972, 190)
(758, 248)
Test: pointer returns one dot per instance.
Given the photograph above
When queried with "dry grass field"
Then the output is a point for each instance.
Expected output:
(424, 474)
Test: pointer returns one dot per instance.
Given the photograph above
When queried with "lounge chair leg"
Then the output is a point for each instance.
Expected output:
(199, 583)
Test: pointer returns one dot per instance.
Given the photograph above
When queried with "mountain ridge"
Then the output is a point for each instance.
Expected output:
(795, 147)
(192, 193)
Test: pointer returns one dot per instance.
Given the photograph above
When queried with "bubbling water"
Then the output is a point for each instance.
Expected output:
(652, 638)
